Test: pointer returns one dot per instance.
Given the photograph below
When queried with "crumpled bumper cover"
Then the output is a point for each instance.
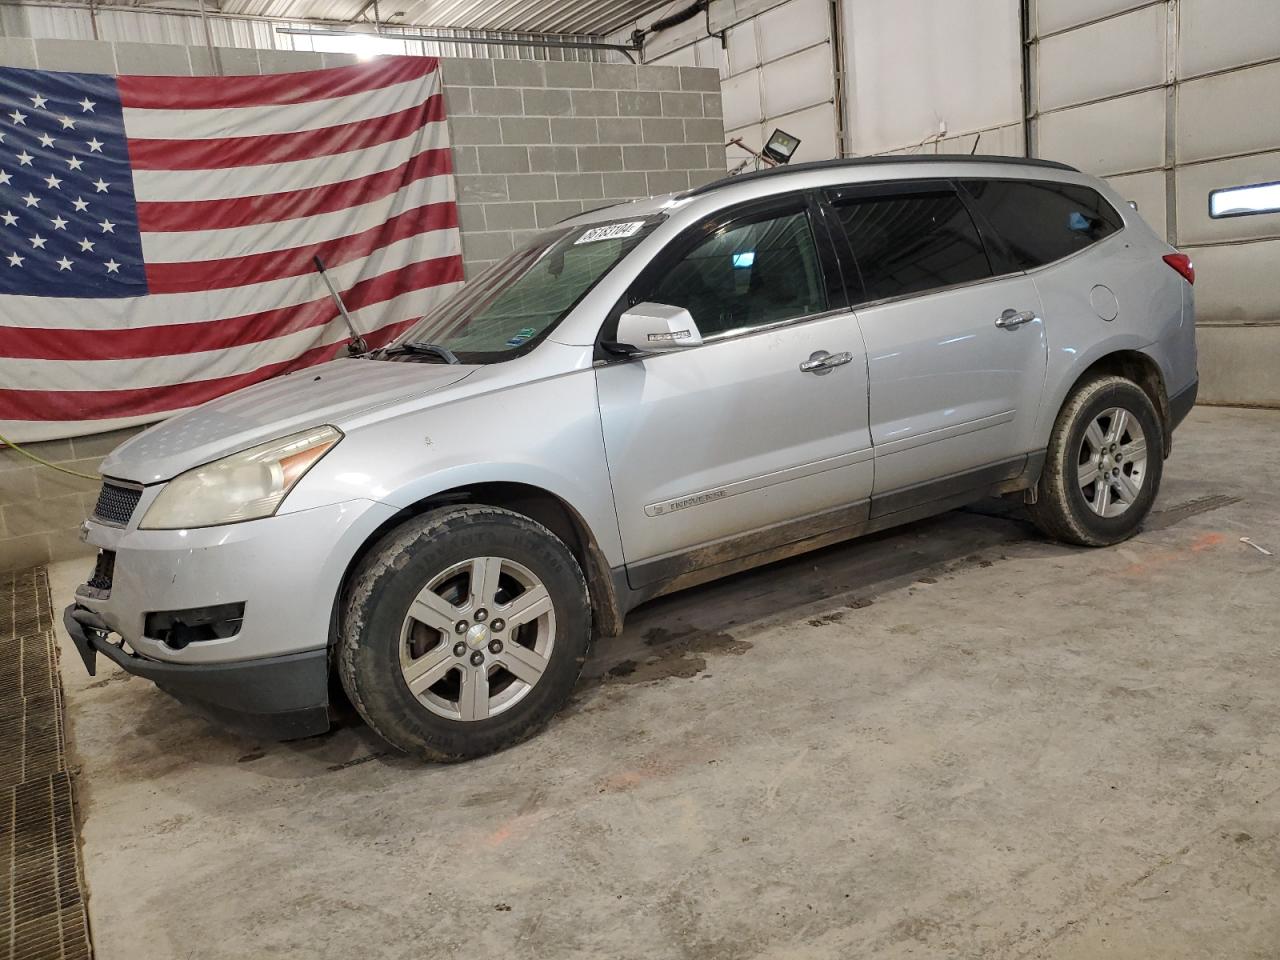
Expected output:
(286, 697)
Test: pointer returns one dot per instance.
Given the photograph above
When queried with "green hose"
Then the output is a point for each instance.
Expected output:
(45, 463)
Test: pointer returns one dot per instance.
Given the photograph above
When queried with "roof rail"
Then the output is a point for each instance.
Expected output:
(876, 161)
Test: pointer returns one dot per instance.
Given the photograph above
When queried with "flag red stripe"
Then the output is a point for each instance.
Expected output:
(226, 152)
(52, 405)
(190, 215)
(204, 93)
(44, 343)
(258, 267)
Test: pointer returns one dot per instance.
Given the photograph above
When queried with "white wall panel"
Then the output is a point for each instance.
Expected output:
(1003, 141)
(798, 81)
(1105, 59)
(1147, 190)
(1227, 287)
(1229, 113)
(1196, 181)
(684, 57)
(913, 64)
(752, 136)
(1115, 136)
(740, 97)
(1217, 34)
(816, 128)
(709, 52)
(743, 52)
(1238, 365)
(791, 27)
(1054, 15)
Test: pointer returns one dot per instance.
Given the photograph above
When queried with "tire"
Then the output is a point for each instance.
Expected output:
(1067, 507)
(488, 698)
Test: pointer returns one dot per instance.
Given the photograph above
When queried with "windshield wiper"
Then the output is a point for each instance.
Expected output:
(423, 349)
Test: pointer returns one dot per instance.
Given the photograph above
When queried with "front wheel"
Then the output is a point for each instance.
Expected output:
(1103, 466)
(463, 632)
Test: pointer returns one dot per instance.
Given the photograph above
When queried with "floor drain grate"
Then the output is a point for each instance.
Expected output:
(42, 910)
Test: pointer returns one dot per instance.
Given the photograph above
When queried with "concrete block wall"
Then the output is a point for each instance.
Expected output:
(41, 509)
(535, 142)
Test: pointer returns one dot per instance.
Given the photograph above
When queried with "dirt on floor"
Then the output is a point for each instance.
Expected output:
(955, 739)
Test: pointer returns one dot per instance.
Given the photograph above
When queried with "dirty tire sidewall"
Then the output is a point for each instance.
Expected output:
(1061, 510)
(378, 599)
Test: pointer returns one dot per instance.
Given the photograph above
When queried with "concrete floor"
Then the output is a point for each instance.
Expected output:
(955, 740)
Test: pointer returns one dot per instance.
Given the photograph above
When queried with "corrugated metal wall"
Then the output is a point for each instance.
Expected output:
(1170, 100)
(138, 25)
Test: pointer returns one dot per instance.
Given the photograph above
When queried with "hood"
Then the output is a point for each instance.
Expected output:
(329, 393)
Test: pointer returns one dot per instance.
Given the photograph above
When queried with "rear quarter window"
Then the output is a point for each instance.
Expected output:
(1039, 223)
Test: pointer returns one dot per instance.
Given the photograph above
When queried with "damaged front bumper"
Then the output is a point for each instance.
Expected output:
(285, 697)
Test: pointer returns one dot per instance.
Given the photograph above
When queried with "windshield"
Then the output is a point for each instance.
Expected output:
(512, 305)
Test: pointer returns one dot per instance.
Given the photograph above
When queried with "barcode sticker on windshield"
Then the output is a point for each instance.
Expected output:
(611, 232)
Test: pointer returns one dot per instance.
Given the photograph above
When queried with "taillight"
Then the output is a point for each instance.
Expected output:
(1182, 263)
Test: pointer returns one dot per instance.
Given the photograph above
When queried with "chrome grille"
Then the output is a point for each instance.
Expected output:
(116, 504)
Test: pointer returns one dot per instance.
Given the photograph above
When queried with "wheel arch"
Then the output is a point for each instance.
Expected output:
(1132, 364)
(538, 504)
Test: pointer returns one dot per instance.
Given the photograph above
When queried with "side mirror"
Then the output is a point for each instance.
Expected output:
(657, 328)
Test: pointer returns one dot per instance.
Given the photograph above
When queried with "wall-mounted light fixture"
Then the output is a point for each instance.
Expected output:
(781, 146)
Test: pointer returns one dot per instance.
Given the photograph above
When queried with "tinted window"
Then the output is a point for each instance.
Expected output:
(910, 243)
(1043, 222)
(747, 276)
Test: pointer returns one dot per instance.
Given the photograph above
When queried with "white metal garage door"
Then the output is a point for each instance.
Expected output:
(1172, 100)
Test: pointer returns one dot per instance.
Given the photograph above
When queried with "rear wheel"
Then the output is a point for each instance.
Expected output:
(463, 632)
(1104, 464)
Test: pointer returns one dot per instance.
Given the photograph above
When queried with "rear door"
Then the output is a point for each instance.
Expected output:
(956, 350)
(740, 445)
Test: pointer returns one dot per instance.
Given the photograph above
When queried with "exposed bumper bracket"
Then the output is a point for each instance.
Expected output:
(287, 697)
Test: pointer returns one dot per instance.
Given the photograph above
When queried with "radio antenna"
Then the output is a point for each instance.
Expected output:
(357, 345)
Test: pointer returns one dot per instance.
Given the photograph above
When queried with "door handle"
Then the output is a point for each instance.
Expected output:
(820, 362)
(1012, 318)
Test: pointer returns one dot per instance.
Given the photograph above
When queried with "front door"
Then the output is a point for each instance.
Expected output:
(730, 448)
(956, 356)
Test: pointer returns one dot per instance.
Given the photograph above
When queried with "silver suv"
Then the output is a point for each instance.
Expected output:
(647, 397)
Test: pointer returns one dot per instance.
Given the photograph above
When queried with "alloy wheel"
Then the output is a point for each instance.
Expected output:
(477, 638)
(1112, 462)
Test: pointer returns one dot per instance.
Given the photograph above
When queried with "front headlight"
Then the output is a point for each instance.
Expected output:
(244, 486)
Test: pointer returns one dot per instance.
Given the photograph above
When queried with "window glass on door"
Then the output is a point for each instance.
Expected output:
(747, 276)
(1043, 222)
(912, 243)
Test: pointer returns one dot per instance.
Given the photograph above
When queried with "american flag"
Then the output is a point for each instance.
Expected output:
(157, 233)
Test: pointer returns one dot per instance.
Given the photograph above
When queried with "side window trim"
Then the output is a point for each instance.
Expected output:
(750, 211)
(841, 249)
(835, 270)
(740, 332)
(832, 196)
(1003, 263)
(1074, 254)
